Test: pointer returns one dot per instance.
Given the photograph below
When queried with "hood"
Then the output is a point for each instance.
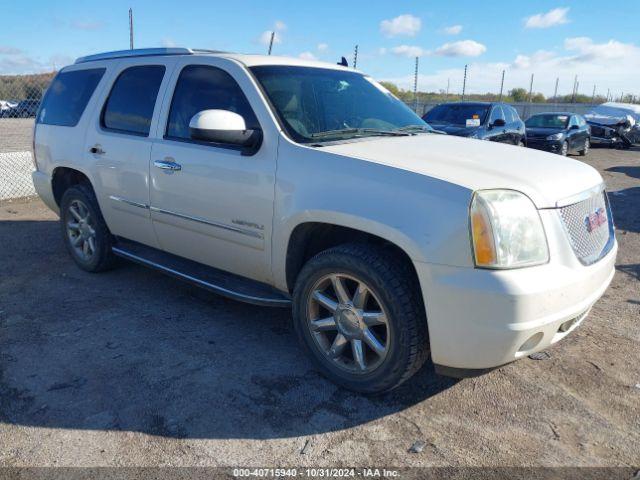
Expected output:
(543, 132)
(610, 121)
(457, 130)
(478, 165)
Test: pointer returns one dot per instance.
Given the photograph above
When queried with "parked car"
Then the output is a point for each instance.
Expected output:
(294, 183)
(615, 124)
(498, 122)
(23, 109)
(560, 133)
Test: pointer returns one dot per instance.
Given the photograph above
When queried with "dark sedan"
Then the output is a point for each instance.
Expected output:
(497, 122)
(560, 133)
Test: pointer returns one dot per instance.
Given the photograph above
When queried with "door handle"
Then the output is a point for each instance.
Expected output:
(97, 150)
(168, 165)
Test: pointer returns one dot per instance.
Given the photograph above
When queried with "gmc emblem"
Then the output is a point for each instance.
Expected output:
(596, 219)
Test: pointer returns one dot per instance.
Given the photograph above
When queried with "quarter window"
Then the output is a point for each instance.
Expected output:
(130, 105)
(202, 87)
(68, 95)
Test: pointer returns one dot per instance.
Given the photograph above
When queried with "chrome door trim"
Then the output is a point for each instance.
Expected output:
(224, 226)
(203, 283)
(129, 202)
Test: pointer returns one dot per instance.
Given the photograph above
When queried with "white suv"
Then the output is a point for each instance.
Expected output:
(283, 182)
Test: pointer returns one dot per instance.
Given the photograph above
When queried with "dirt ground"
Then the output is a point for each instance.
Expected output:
(132, 367)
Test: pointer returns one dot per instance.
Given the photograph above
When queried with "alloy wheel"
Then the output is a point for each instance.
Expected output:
(348, 323)
(81, 230)
(565, 149)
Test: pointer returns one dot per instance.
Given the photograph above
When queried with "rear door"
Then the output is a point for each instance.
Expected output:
(118, 145)
(217, 209)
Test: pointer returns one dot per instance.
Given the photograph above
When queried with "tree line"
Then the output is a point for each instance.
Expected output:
(21, 87)
(515, 95)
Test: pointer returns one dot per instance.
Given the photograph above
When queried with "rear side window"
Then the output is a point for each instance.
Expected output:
(129, 107)
(202, 87)
(67, 97)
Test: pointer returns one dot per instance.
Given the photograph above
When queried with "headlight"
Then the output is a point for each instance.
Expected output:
(555, 136)
(506, 230)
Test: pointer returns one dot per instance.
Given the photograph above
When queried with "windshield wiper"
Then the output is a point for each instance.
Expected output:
(358, 131)
(413, 128)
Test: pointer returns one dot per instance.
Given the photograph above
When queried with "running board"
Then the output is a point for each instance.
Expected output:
(212, 279)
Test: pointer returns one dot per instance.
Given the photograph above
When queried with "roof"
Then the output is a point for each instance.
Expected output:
(246, 59)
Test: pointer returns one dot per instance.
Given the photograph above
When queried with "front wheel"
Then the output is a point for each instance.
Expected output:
(84, 231)
(564, 149)
(359, 314)
(586, 148)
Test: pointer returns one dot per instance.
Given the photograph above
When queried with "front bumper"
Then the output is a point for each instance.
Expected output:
(553, 146)
(481, 319)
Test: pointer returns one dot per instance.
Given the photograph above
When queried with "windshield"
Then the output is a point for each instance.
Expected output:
(548, 121)
(606, 111)
(468, 114)
(318, 103)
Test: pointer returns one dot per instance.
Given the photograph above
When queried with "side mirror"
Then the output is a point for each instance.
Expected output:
(226, 127)
(575, 127)
(499, 123)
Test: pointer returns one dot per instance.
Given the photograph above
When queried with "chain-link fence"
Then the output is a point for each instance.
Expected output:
(525, 109)
(20, 97)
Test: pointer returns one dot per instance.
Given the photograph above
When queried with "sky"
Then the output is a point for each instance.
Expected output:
(596, 40)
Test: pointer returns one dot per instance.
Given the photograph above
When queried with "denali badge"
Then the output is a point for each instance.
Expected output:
(595, 219)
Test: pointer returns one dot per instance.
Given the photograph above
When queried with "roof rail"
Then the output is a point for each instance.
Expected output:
(143, 52)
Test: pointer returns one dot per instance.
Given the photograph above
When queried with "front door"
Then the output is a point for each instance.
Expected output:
(209, 202)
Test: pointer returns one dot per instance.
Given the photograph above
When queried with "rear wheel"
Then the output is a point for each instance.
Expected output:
(84, 231)
(586, 148)
(359, 313)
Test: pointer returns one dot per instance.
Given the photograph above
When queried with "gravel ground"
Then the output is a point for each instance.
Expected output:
(134, 368)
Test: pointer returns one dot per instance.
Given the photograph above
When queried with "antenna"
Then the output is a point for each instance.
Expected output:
(464, 82)
(131, 29)
(273, 36)
(415, 86)
(355, 57)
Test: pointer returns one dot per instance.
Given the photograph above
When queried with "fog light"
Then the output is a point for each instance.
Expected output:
(567, 325)
(531, 343)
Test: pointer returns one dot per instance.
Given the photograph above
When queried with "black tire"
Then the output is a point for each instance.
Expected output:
(392, 282)
(585, 150)
(564, 150)
(102, 257)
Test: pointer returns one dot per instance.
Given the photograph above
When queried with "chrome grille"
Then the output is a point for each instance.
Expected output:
(590, 227)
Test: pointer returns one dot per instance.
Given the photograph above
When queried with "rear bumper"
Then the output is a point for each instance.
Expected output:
(482, 319)
(42, 184)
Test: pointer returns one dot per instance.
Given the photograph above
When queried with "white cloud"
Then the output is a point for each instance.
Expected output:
(453, 30)
(6, 50)
(597, 64)
(322, 47)
(278, 27)
(382, 51)
(401, 25)
(168, 42)
(408, 51)
(557, 16)
(307, 56)
(463, 48)
(265, 38)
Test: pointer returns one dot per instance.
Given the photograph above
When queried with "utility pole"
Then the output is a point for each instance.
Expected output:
(501, 86)
(608, 94)
(131, 28)
(555, 92)
(575, 89)
(531, 89)
(464, 82)
(593, 95)
(448, 85)
(415, 86)
(273, 36)
(355, 58)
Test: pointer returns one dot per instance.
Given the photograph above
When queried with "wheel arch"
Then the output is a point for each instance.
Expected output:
(64, 177)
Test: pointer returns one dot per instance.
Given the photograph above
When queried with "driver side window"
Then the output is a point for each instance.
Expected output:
(202, 87)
